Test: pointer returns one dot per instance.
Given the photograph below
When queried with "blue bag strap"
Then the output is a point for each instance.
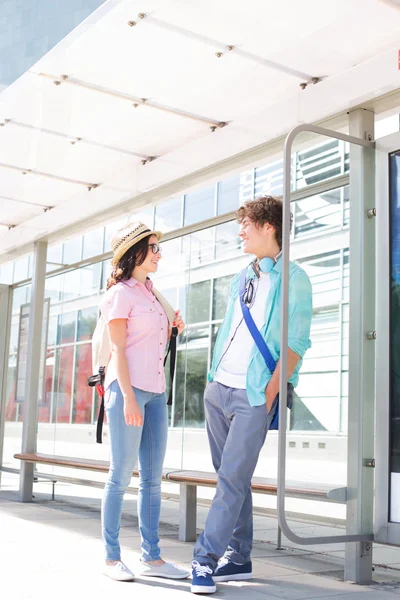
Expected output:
(258, 338)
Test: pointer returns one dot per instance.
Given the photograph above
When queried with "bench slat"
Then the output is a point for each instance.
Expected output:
(202, 478)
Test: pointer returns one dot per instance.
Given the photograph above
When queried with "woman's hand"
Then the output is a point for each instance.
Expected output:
(132, 412)
(179, 322)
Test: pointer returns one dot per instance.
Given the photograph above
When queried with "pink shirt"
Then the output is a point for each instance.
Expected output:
(146, 333)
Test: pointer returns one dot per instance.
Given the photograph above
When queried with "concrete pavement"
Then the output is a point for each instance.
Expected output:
(52, 550)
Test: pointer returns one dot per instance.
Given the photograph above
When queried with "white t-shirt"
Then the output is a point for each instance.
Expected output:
(232, 369)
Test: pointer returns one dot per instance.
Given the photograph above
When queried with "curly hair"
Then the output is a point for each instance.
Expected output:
(135, 256)
(262, 210)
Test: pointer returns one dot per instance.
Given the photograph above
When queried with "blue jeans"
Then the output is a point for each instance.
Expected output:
(128, 443)
(236, 433)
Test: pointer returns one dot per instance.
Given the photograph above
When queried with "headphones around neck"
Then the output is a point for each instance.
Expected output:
(265, 265)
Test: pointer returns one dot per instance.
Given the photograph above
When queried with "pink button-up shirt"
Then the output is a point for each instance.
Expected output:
(146, 333)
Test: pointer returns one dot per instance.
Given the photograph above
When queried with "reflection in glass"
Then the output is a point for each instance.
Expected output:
(87, 320)
(191, 376)
(319, 163)
(66, 327)
(198, 301)
(61, 405)
(220, 296)
(319, 212)
(83, 394)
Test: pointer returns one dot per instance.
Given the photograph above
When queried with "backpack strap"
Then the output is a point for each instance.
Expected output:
(256, 335)
(172, 359)
(263, 348)
(97, 381)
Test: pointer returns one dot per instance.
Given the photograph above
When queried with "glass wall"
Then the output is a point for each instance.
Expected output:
(194, 275)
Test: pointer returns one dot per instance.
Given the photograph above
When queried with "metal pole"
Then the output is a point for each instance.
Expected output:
(5, 321)
(360, 445)
(289, 534)
(29, 430)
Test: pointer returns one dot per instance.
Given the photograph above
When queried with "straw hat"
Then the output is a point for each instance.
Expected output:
(128, 236)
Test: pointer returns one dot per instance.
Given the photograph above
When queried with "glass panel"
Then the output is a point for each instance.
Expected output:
(87, 320)
(246, 186)
(324, 273)
(106, 269)
(6, 273)
(199, 247)
(346, 205)
(72, 251)
(169, 215)
(269, 179)
(191, 377)
(228, 195)
(316, 404)
(61, 407)
(54, 257)
(144, 214)
(90, 279)
(71, 285)
(54, 287)
(198, 302)
(45, 408)
(21, 269)
(66, 328)
(83, 394)
(199, 206)
(227, 241)
(220, 296)
(318, 213)
(319, 163)
(93, 243)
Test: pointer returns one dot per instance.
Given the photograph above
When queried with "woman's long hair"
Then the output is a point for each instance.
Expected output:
(135, 256)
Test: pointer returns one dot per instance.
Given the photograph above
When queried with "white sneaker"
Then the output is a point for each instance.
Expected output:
(167, 570)
(119, 572)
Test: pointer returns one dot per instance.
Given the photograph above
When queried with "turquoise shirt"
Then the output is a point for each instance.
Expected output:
(300, 313)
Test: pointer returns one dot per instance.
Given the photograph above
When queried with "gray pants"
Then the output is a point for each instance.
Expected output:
(236, 433)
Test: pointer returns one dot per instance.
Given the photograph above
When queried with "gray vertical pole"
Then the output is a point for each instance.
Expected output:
(360, 478)
(29, 430)
(5, 325)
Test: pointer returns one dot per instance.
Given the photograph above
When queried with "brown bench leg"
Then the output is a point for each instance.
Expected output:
(187, 512)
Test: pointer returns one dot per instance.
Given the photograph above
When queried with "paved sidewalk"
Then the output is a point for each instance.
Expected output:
(52, 549)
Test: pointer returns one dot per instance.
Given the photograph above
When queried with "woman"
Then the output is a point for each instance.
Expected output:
(135, 397)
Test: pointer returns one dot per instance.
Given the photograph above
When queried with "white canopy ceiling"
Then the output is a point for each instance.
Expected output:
(148, 91)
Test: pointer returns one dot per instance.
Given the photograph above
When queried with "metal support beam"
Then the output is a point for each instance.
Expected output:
(5, 324)
(289, 534)
(187, 513)
(29, 430)
(360, 476)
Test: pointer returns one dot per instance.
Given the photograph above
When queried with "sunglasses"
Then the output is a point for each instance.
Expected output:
(155, 248)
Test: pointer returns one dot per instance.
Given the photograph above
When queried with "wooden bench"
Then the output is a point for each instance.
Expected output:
(188, 482)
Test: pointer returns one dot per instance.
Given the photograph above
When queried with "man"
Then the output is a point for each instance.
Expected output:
(242, 393)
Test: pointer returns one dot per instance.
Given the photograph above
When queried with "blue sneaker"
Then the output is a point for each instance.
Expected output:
(230, 571)
(202, 581)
